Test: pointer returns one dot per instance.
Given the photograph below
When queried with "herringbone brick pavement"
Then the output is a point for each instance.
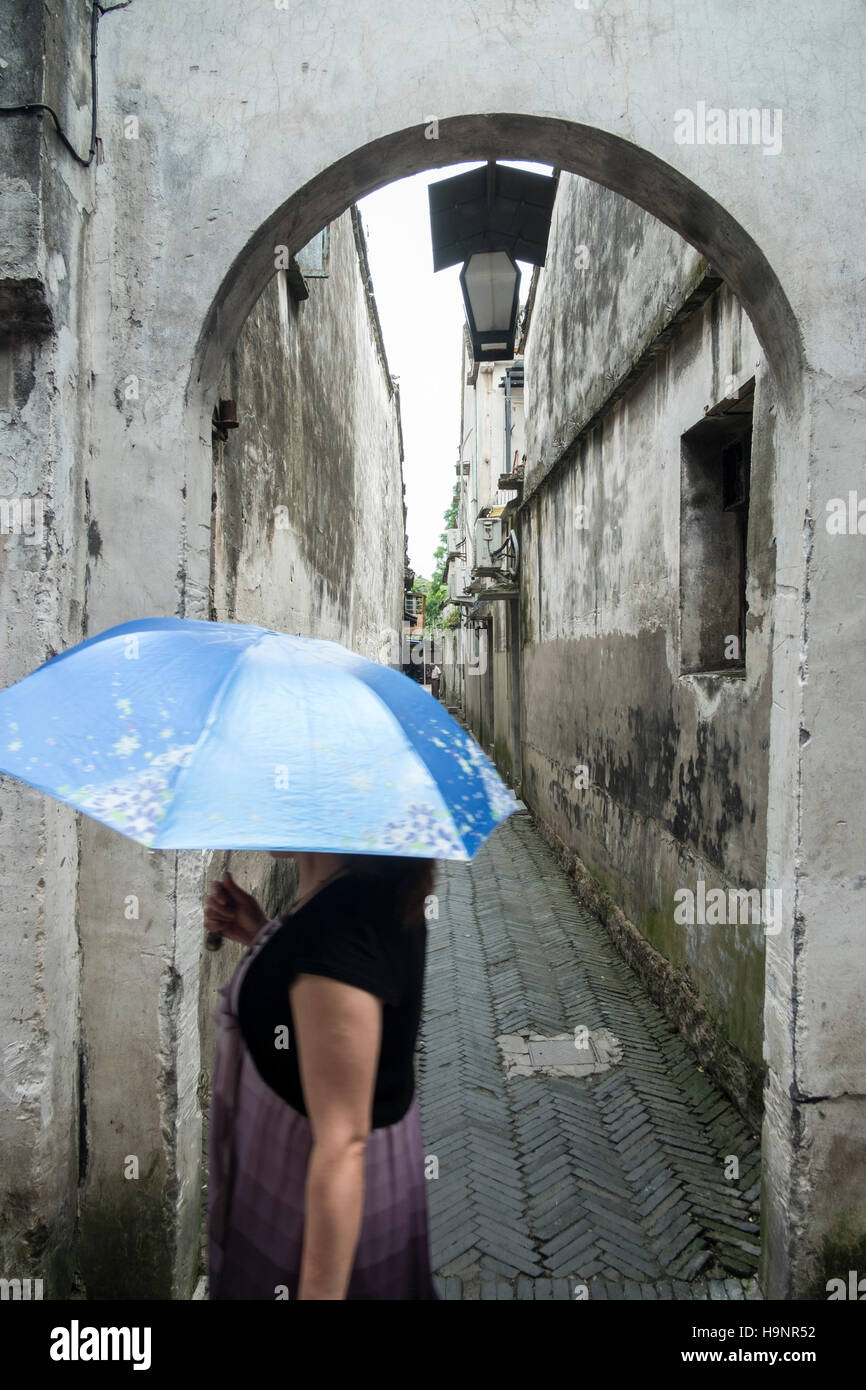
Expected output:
(610, 1186)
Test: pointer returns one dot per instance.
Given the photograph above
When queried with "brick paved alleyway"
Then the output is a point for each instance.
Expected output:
(613, 1180)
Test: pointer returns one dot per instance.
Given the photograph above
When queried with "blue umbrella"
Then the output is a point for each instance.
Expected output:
(196, 735)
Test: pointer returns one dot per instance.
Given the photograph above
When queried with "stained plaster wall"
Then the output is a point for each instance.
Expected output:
(676, 766)
(45, 212)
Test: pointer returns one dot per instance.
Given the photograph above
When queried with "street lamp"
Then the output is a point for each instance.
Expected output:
(489, 218)
(490, 281)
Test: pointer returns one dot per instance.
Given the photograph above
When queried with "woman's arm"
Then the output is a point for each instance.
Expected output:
(339, 1034)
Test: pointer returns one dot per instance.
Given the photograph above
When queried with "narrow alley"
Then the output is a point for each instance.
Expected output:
(558, 1187)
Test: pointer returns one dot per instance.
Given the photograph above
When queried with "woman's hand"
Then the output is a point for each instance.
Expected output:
(233, 913)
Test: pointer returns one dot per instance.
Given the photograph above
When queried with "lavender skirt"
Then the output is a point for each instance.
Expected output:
(259, 1147)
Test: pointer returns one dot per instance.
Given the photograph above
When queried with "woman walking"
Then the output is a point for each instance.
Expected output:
(316, 1184)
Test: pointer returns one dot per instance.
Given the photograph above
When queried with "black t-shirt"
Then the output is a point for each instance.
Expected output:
(347, 931)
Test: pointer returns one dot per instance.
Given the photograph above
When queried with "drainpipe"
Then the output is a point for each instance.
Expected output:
(474, 475)
(507, 468)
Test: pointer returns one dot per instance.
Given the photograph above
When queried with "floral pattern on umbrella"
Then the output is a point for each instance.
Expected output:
(135, 805)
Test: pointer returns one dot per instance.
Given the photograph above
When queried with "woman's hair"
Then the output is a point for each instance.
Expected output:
(407, 882)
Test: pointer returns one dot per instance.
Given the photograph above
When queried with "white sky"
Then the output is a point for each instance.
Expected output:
(422, 317)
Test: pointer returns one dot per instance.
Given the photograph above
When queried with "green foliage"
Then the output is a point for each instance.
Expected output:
(435, 589)
(436, 596)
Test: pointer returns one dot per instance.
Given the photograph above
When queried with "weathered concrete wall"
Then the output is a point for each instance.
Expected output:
(451, 647)
(657, 780)
(308, 530)
(478, 687)
(45, 205)
(506, 690)
(613, 279)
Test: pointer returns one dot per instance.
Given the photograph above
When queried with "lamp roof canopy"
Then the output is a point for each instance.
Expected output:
(492, 208)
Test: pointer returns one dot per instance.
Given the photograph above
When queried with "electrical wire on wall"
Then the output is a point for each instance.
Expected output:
(38, 107)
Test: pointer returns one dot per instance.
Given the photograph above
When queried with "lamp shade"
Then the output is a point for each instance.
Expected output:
(490, 281)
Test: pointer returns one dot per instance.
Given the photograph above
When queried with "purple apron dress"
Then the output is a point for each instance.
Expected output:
(258, 1152)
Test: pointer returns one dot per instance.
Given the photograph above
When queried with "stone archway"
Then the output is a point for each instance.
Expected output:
(634, 173)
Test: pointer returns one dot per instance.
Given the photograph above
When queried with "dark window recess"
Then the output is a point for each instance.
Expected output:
(714, 515)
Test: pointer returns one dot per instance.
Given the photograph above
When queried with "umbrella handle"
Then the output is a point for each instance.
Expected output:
(213, 941)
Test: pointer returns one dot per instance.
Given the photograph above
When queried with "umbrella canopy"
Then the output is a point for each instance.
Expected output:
(197, 735)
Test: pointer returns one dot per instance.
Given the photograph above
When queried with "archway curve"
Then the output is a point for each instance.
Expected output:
(595, 154)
